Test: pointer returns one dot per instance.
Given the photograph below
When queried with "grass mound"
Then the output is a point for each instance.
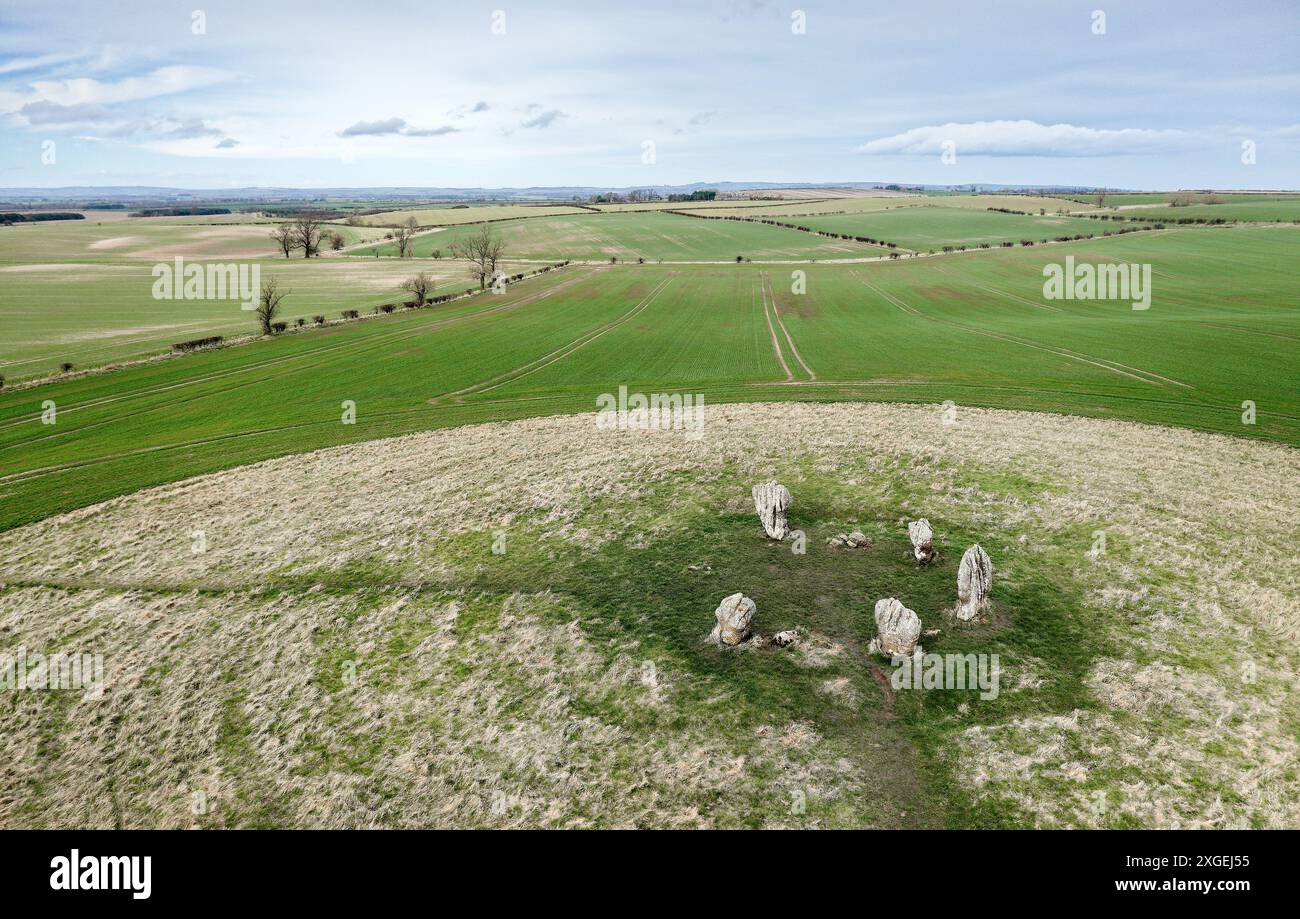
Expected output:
(503, 625)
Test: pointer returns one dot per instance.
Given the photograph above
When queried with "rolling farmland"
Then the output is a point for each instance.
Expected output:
(930, 228)
(331, 449)
(454, 215)
(622, 416)
(1256, 208)
(872, 204)
(651, 236)
(972, 328)
(93, 314)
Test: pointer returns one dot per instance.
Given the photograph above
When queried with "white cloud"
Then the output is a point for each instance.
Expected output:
(51, 113)
(542, 119)
(390, 126)
(1028, 138)
(161, 82)
(16, 65)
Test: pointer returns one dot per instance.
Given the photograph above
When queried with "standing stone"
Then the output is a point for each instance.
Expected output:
(734, 615)
(974, 578)
(922, 540)
(771, 500)
(897, 628)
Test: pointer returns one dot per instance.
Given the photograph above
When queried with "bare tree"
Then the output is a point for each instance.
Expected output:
(308, 229)
(268, 305)
(336, 242)
(419, 285)
(483, 250)
(286, 237)
(403, 238)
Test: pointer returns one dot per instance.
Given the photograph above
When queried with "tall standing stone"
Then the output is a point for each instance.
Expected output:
(772, 500)
(974, 578)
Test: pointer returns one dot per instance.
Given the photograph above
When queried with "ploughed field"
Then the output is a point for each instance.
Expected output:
(1221, 330)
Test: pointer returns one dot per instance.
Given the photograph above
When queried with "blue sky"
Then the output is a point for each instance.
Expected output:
(1158, 95)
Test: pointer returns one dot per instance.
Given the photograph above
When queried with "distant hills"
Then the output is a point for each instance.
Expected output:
(130, 195)
(156, 193)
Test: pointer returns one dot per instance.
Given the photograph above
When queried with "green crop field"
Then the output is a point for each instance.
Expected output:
(1277, 211)
(649, 235)
(1242, 206)
(872, 203)
(931, 228)
(973, 328)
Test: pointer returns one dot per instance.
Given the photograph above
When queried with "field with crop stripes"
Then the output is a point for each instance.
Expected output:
(932, 228)
(652, 236)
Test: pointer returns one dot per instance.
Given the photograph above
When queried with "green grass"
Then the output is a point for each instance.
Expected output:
(653, 236)
(972, 328)
(932, 228)
(645, 587)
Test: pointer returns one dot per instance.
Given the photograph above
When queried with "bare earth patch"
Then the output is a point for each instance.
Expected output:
(114, 242)
(482, 710)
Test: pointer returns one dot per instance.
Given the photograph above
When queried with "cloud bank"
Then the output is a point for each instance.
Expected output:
(1027, 138)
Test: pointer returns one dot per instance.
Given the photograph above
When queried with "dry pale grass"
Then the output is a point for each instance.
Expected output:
(225, 697)
(216, 685)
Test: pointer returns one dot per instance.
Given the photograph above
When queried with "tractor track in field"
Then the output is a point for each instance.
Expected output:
(560, 353)
(765, 279)
(776, 386)
(27, 475)
(776, 342)
(1003, 293)
(379, 340)
(1086, 314)
(1143, 376)
(1279, 335)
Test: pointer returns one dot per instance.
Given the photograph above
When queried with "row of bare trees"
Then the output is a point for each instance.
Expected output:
(484, 251)
(303, 232)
